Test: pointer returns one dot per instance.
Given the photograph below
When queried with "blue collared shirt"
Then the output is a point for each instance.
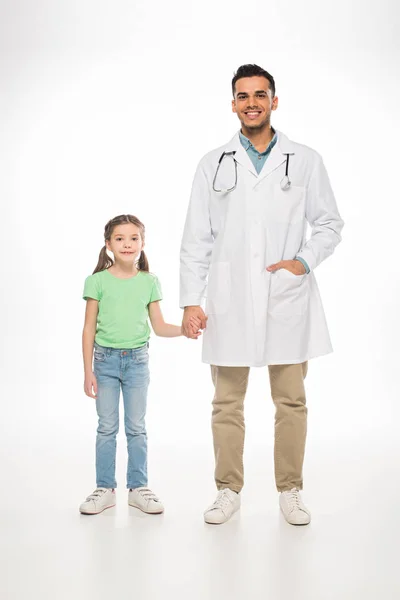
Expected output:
(259, 159)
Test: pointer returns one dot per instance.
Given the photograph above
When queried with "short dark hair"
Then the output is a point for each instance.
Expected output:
(253, 71)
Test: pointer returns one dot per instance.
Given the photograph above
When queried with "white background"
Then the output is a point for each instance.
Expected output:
(106, 108)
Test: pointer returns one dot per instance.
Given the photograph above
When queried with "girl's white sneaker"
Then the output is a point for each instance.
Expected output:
(144, 499)
(225, 505)
(293, 508)
(101, 499)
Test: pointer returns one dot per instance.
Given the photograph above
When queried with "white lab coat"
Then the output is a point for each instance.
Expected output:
(257, 318)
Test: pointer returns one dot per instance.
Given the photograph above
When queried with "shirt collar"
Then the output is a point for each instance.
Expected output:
(246, 143)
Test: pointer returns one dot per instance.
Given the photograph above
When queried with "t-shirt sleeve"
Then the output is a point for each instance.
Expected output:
(156, 293)
(92, 288)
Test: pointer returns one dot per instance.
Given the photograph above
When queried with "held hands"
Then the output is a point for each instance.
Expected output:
(294, 266)
(194, 320)
(90, 385)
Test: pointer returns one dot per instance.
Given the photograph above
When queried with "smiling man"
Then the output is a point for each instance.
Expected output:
(245, 250)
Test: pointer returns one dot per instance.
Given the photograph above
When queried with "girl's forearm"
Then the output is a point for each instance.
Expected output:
(87, 348)
(167, 330)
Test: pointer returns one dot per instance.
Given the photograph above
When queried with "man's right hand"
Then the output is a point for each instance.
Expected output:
(196, 312)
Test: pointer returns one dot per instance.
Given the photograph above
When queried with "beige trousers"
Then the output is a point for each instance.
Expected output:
(287, 391)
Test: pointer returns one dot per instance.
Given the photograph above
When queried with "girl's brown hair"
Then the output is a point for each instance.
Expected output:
(105, 262)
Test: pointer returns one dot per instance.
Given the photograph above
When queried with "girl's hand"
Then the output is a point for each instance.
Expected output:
(190, 312)
(195, 323)
(90, 385)
(194, 326)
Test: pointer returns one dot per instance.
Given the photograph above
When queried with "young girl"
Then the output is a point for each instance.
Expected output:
(121, 295)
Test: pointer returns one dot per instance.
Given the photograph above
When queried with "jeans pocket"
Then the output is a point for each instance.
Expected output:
(141, 356)
(99, 356)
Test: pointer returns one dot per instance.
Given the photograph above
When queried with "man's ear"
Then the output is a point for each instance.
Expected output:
(275, 103)
(234, 106)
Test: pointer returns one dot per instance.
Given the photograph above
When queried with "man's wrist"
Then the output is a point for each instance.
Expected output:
(304, 263)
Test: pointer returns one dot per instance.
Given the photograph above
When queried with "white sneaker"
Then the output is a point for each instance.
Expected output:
(145, 500)
(225, 505)
(101, 499)
(293, 508)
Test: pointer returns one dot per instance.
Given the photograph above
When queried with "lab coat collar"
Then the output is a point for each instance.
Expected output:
(241, 155)
(277, 156)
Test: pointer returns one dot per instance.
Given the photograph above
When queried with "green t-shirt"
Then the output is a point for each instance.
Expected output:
(122, 320)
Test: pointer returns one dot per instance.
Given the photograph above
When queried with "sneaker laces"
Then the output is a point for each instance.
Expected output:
(96, 494)
(222, 500)
(293, 500)
(147, 494)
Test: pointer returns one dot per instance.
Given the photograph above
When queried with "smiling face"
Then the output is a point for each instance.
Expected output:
(253, 103)
(125, 243)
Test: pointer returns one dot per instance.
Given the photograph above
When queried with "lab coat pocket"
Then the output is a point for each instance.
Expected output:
(289, 296)
(287, 206)
(218, 288)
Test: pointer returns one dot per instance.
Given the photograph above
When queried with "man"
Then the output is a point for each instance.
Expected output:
(246, 231)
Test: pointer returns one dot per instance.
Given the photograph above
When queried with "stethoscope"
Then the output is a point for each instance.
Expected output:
(285, 181)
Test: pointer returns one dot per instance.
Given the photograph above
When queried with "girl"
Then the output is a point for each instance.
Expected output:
(120, 296)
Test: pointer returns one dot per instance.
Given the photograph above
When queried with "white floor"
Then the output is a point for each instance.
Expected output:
(349, 551)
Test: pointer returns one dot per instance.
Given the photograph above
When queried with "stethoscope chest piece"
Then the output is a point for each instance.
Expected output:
(285, 183)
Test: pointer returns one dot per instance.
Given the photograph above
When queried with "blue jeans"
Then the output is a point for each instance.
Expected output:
(127, 370)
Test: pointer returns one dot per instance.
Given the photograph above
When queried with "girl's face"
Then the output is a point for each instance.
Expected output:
(125, 243)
